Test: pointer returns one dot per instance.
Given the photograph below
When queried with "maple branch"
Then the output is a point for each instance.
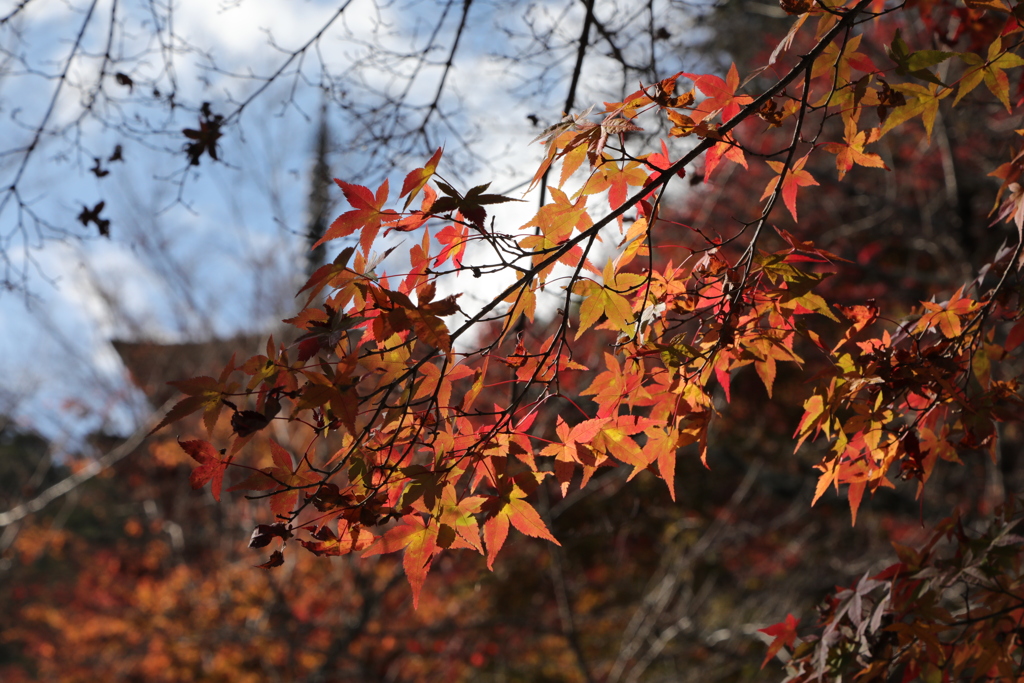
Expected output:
(748, 253)
(94, 467)
(570, 99)
(291, 58)
(666, 175)
(591, 233)
(14, 12)
(11, 191)
(447, 67)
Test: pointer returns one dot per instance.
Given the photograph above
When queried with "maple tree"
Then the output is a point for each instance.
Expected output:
(403, 454)
(397, 422)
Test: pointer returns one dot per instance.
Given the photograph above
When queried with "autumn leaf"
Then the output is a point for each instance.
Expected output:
(616, 385)
(617, 180)
(416, 219)
(991, 70)
(658, 163)
(796, 177)
(460, 515)
(783, 635)
(765, 349)
(210, 468)
(614, 438)
(276, 560)
(571, 161)
(915, 64)
(367, 215)
(664, 94)
(662, 445)
(328, 273)
(511, 508)
(415, 181)
(419, 540)
(400, 314)
(682, 125)
(721, 95)
(815, 417)
(181, 409)
(946, 316)
(1016, 336)
(248, 422)
(851, 151)
(920, 101)
(263, 534)
(726, 149)
(1012, 209)
(607, 299)
(454, 238)
(202, 393)
(524, 302)
(830, 63)
(799, 297)
(351, 538)
(471, 206)
(557, 220)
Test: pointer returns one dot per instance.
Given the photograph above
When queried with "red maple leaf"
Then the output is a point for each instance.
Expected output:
(784, 633)
(367, 214)
(796, 177)
(721, 95)
(454, 238)
(210, 469)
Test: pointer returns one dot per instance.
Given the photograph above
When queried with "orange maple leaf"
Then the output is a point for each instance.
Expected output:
(557, 219)
(419, 540)
(415, 181)
(513, 509)
(796, 177)
(454, 238)
(852, 151)
(616, 180)
(723, 150)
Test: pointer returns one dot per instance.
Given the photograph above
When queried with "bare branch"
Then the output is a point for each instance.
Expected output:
(95, 467)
